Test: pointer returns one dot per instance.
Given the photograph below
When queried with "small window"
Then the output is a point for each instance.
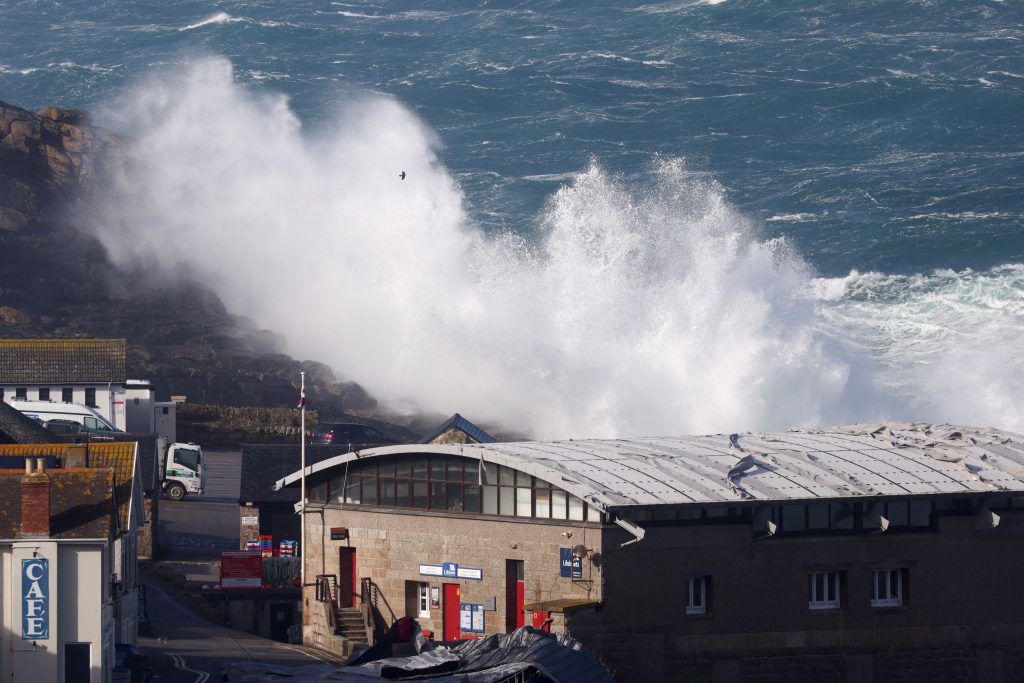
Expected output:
(824, 590)
(697, 594)
(90, 397)
(21, 393)
(887, 588)
(165, 410)
(44, 394)
(67, 395)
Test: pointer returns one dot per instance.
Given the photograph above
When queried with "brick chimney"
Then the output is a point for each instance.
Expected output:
(35, 505)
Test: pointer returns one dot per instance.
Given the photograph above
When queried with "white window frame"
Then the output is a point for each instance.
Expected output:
(697, 595)
(830, 596)
(423, 605)
(887, 597)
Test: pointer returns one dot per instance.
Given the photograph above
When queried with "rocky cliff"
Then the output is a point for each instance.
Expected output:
(56, 281)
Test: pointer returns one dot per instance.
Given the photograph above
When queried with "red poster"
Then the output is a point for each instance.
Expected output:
(241, 569)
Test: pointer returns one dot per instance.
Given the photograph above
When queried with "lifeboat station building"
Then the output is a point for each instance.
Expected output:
(857, 553)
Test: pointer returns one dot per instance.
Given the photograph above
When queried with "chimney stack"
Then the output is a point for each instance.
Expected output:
(35, 505)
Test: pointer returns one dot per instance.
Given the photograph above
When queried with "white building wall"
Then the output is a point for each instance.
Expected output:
(110, 400)
(76, 597)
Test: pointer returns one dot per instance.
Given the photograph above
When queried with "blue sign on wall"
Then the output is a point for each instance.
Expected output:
(35, 599)
(565, 562)
(569, 566)
(450, 570)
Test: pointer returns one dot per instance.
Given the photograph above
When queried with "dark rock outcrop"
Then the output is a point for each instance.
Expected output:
(57, 281)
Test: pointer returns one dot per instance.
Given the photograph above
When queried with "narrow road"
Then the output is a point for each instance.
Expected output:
(185, 647)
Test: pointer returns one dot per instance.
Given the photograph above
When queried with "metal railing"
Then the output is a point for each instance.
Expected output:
(327, 592)
(371, 602)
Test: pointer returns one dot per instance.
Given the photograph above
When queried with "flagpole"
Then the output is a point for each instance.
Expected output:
(302, 545)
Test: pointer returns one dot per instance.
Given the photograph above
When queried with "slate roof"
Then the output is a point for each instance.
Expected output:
(119, 457)
(148, 465)
(841, 462)
(81, 505)
(456, 421)
(262, 465)
(16, 427)
(62, 361)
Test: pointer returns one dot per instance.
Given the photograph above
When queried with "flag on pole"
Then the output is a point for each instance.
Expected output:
(302, 397)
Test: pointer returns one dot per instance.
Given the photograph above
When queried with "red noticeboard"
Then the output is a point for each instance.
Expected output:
(241, 569)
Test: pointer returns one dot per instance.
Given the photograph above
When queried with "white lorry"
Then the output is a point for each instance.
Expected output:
(182, 464)
(184, 470)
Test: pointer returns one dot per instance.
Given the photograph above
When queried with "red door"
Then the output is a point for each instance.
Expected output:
(348, 584)
(450, 611)
(515, 590)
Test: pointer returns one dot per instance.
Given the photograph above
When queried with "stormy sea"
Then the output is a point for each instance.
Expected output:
(615, 219)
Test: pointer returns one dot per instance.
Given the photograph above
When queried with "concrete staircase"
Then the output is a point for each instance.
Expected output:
(350, 628)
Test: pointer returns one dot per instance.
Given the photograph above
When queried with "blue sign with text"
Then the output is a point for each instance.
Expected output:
(450, 570)
(35, 599)
(569, 566)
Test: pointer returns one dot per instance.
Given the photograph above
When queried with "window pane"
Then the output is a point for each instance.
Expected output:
(419, 495)
(471, 500)
(403, 468)
(437, 468)
(817, 516)
(523, 502)
(540, 484)
(490, 473)
(842, 516)
(387, 492)
(454, 470)
(819, 587)
(523, 479)
(880, 586)
(437, 495)
(793, 518)
(506, 500)
(575, 508)
(454, 497)
(543, 503)
(370, 490)
(402, 490)
(490, 500)
(920, 513)
(506, 476)
(558, 504)
(898, 513)
(593, 514)
(387, 468)
(334, 492)
(419, 468)
(352, 490)
(697, 592)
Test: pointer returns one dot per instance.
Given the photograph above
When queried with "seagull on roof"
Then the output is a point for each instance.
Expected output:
(402, 175)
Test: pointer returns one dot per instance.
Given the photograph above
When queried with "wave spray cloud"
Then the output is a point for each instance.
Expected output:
(635, 307)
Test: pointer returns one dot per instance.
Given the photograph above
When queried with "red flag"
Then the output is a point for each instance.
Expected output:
(302, 398)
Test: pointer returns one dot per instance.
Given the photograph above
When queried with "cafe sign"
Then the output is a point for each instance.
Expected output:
(35, 599)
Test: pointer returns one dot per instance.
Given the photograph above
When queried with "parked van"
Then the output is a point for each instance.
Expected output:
(91, 420)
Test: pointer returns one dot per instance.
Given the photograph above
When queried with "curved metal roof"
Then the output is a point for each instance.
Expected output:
(840, 462)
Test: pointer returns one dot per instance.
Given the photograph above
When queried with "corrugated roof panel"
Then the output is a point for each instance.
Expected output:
(856, 460)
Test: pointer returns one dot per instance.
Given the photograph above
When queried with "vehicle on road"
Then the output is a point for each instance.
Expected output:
(184, 471)
(350, 434)
(89, 418)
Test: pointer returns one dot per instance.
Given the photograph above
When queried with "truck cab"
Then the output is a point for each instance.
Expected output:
(184, 470)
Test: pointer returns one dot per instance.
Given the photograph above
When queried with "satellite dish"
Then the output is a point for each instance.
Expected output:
(579, 551)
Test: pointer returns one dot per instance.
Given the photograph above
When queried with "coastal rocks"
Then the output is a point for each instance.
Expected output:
(46, 161)
(56, 280)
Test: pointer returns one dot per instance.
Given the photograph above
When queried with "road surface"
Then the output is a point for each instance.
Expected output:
(193, 532)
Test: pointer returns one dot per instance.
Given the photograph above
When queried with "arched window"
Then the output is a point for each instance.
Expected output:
(453, 484)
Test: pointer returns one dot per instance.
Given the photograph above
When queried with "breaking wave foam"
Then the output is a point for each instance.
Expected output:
(647, 307)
